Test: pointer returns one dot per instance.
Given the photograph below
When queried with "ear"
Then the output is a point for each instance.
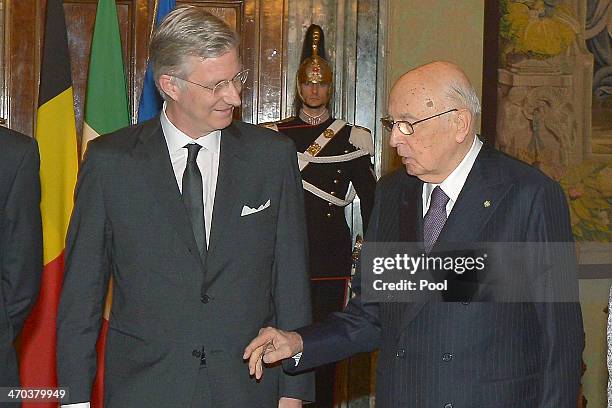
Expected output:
(168, 84)
(463, 124)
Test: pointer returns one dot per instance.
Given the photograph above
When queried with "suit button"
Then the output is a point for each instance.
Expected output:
(333, 193)
(328, 215)
(335, 181)
(447, 357)
(449, 405)
(196, 353)
(401, 353)
(205, 299)
(339, 171)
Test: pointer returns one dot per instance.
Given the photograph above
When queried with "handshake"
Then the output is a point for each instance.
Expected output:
(271, 346)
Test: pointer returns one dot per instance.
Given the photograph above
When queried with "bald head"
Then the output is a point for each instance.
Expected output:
(437, 85)
(441, 105)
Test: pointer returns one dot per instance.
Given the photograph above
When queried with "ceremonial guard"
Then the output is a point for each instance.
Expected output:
(334, 159)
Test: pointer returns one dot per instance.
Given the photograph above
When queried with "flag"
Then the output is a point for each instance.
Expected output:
(106, 110)
(56, 136)
(106, 101)
(150, 100)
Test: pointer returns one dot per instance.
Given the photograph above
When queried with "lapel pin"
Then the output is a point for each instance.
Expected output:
(487, 204)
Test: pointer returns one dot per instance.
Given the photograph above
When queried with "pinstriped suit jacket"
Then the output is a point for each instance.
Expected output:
(464, 355)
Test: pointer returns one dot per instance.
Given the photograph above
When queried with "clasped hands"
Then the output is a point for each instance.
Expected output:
(271, 346)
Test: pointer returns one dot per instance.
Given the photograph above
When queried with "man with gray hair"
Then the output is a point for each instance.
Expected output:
(199, 220)
(454, 189)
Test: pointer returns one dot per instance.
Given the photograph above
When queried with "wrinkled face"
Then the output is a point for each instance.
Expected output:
(315, 95)
(197, 111)
(430, 152)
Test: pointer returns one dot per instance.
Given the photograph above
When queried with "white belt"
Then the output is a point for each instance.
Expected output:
(320, 142)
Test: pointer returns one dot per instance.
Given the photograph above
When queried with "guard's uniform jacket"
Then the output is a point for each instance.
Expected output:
(343, 159)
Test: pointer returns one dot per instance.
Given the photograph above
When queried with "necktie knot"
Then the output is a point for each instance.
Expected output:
(439, 199)
(192, 152)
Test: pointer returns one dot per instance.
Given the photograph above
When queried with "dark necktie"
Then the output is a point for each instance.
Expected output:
(192, 196)
(435, 217)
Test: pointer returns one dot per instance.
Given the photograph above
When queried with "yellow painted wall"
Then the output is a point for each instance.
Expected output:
(422, 31)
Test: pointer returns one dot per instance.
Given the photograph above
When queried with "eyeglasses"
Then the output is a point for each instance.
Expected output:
(238, 81)
(406, 127)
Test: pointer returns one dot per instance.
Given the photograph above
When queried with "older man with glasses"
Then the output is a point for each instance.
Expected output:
(199, 219)
(454, 189)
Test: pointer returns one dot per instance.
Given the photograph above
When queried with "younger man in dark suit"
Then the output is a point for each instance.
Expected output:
(200, 221)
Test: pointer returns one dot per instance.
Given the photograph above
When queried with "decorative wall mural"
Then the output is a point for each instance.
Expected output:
(555, 100)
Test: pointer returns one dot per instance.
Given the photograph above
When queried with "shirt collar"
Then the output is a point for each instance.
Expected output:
(176, 139)
(453, 184)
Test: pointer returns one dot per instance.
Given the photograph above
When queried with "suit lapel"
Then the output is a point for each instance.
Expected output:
(410, 210)
(481, 194)
(152, 157)
(227, 206)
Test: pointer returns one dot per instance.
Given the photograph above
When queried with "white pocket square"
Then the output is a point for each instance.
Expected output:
(246, 210)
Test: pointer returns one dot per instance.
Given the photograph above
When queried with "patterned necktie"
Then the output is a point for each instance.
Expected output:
(193, 196)
(435, 217)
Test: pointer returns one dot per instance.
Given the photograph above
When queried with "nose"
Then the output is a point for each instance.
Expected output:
(315, 89)
(231, 95)
(397, 138)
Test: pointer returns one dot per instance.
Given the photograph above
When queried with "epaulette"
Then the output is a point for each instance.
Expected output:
(269, 125)
(274, 125)
(361, 138)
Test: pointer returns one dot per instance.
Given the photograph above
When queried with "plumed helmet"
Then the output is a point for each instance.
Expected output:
(314, 68)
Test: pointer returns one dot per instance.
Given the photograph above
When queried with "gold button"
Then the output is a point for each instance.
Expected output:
(333, 193)
(329, 204)
(339, 171)
(328, 215)
(335, 181)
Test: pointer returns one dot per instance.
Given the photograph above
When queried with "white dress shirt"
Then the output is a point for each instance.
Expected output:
(453, 184)
(208, 162)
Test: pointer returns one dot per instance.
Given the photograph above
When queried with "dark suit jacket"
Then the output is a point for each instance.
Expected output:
(129, 222)
(20, 242)
(465, 355)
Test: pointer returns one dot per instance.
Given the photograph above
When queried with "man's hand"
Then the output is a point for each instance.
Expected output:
(270, 346)
(289, 403)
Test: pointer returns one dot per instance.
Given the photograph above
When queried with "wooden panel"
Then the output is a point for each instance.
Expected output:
(21, 55)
